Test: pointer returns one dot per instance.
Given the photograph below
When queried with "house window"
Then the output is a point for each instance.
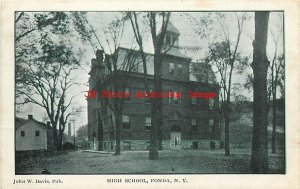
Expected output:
(211, 102)
(126, 145)
(127, 94)
(148, 123)
(37, 133)
(125, 122)
(179, 68)
(193, 101)
(211, 125)
(171, 69)
(194, 125)
(22, 133)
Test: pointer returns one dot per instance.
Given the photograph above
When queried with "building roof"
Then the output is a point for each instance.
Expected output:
(174, 51)
(20, 122)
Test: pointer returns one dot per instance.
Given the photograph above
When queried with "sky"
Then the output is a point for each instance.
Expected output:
(188, 24)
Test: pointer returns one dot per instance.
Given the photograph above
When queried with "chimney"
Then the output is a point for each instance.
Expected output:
(48, 125)
(30, 117)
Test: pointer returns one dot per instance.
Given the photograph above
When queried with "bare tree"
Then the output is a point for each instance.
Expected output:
(112, 76)
(45, 62)
(224, 56)
(277, 65)
(156, 106)
(260, 64)
(48, 86)
(275, 78)
(157, 41)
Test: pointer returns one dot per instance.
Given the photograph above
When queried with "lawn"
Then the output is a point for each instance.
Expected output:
(136, 162)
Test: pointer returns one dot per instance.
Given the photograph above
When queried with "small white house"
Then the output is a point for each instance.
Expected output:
(31, 135)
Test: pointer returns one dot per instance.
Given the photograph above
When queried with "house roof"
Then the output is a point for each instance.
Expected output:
(20, 122)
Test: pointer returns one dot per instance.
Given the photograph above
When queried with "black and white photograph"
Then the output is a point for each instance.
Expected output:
(149, 92)
(174, 92)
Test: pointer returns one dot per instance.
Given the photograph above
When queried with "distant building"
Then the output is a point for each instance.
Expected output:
(187, 122)
(32, 135)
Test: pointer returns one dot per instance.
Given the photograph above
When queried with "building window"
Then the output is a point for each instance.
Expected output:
(126, 145)
(125, 122)
(148, 123)
(179, 69)
(147, 145)
(148, 100)
(98, 97)
(194, 101)
(111, 122)
(211, 102)
(176, 97)
(95, 114)
(111, 146)
(211, 125)
(194, 125)
(105, 145)
(127, 94)
(170, 97)
(171, 69)
(22, 133)
(176, 116)
(37, 133)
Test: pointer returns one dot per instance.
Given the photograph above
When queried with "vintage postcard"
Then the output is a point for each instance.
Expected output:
(124, 94)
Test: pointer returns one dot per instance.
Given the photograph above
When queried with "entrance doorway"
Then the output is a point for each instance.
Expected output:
(175, 142)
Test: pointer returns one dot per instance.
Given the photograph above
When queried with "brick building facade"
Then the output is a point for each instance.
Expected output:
(187, 122)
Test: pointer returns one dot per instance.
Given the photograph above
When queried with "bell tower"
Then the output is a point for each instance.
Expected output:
(172, 36)
(175, 64)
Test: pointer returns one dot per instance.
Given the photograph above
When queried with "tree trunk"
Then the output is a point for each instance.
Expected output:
(259, 156)
(156, 109)
(54, 132)
(100, 132)
(60, 140)
(118, 118)
(227, 121)
(273, 146)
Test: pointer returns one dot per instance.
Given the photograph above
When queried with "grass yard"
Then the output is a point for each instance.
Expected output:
(136, 162)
